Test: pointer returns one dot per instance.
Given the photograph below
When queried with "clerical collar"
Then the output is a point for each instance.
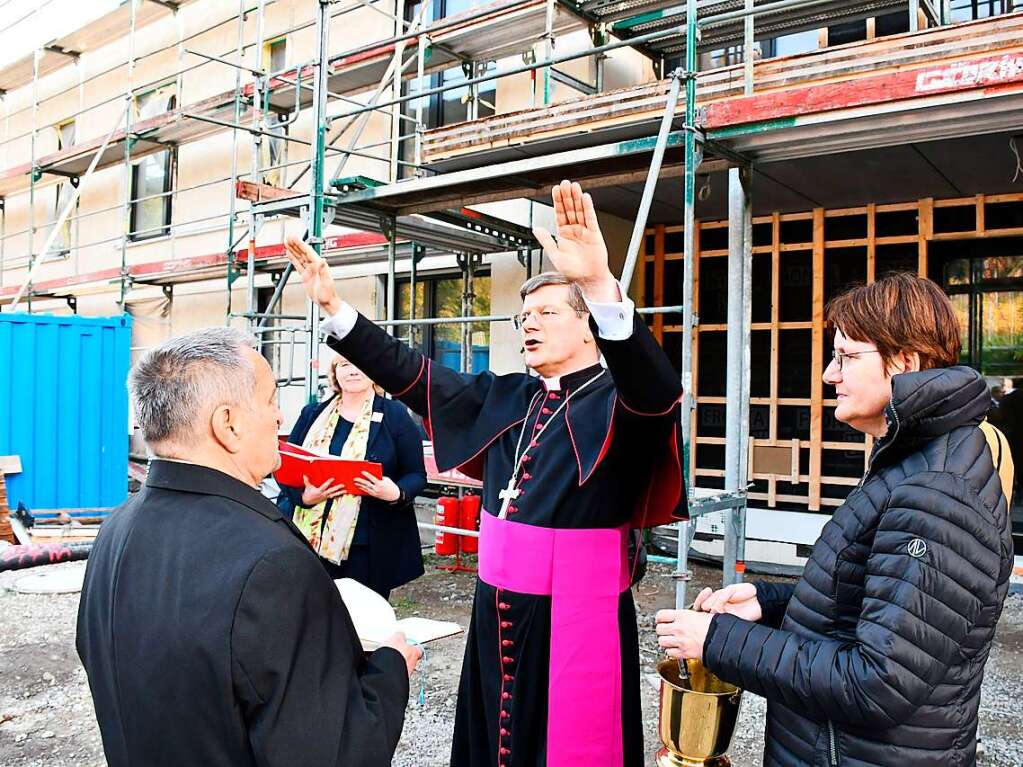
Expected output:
(572, 380)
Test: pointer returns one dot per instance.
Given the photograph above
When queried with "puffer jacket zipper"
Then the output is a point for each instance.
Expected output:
(832, 745)
(889, 439)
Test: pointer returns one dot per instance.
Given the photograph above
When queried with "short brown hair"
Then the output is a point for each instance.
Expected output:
(900, 312)
(542, 280)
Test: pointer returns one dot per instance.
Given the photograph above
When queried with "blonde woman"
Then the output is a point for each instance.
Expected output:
(371, 538)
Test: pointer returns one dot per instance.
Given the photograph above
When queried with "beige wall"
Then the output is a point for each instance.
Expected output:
(92, 93)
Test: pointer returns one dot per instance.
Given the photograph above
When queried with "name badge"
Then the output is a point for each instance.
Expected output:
(377, 417)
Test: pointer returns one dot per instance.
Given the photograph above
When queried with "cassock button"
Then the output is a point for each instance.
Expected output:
(526, 476)
(503, 606)
(504, 714)
(507, 660)
(507, 643)
(505, 696)
(512, 509)
(546, 411)
(505, 752)
(509, 678)
(554, 395)
(527, 457)
(506, 624)
(534, 443)
(504, 733)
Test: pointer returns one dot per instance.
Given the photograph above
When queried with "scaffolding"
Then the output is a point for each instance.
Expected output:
(417, 208)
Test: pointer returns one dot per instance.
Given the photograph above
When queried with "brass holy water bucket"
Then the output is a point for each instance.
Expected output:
(697, 716)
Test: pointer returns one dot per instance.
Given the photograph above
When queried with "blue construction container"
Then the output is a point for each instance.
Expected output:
(64, 409)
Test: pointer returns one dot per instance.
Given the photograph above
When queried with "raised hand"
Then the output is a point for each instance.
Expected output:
(312, 268)
(579, 252)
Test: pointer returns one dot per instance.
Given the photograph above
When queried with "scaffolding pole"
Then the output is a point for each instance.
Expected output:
(639, 227)
(740, 267)
(316, 188)
(693, 159)
(259, 83)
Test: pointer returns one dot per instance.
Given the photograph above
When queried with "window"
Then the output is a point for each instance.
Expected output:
(968, 10)
(63, 193)
(442, 297)
(452, 106)
(275, 59)
(152, 178)
(987, 295)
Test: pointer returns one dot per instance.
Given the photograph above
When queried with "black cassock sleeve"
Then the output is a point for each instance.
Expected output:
(309, 695)
(647, 414)
(463, 412)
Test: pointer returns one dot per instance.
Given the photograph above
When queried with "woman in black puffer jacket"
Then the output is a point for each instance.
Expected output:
(876, 655)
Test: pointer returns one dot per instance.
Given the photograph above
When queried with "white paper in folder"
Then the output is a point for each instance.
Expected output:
(375, 620)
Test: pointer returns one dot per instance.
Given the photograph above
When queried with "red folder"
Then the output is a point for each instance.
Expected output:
(297, 462)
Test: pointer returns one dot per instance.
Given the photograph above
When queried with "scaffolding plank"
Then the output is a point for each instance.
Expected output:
(453, 230)
(109, 21)
(339, 249)
(931, 67)
(505, 32)
(666, 15)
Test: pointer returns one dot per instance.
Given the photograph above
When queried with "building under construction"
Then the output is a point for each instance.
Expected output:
(749, 160)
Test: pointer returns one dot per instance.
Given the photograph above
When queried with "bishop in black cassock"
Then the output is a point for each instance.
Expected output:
(570, 462)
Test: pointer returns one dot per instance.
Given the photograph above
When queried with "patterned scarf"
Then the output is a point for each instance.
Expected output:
(331, 538)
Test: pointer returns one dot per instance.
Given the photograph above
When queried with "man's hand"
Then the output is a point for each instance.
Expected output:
(579, 253)
(315, 274)
(739, 599)
(411, 654)
(683, 632)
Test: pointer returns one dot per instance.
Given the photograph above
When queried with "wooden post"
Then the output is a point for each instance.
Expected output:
(659, 281)
(6, 532)
(926, 219)
(772, 483)
(871, 242)
(817, 362)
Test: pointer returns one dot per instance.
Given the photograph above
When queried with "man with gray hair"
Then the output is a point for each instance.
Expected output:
(570, 460)
(210, 632)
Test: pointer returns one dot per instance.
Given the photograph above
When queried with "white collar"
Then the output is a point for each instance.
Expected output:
(552, 384)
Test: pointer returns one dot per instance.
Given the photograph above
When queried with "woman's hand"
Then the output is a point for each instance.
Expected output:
(682, 632)
(383, 488)
(739, 599)
(314, 495)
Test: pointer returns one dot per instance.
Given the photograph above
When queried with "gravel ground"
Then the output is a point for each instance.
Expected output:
(46, 716)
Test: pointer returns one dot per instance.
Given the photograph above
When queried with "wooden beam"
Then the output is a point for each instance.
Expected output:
(817, 362)
(658, 328)
(772, 483)
(926, 222)
(871, 242)
(697, 258)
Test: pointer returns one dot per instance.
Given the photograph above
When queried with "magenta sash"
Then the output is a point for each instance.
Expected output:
(584, 572)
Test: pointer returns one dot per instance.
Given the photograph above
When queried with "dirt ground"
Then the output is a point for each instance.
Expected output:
(46, 715)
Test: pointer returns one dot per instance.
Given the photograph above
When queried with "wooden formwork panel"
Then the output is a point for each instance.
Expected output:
(801, 260)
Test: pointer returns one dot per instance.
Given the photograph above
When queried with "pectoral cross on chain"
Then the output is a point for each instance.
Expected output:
(508, 495)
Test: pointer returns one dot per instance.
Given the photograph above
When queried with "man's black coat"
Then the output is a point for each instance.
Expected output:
(212, 635)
